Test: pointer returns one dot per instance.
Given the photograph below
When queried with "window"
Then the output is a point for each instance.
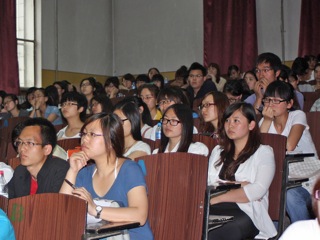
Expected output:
(26, 42)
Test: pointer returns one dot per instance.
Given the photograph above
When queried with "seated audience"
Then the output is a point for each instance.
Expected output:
(177, 132)
(39, 172)
(234, 72)
(158, 80)
(29, 96)
(251, 79)
(181, 77)
(11, 105)
(268, 68)
(279, 117)
(73, 108)
(153, 71)
(308, 229)
(145, 117)
(148, 93)
(40, 108)
(128, 82)
(300, 68)
(111, 177)
(133, 145)
(234, 91)
(142, 79)
(100, 103)
(88, 89)
(212, 109)
(111, 87)
(198, 83)
(214, 75)
(241, 158)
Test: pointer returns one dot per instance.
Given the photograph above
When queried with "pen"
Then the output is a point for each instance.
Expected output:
(69, 183)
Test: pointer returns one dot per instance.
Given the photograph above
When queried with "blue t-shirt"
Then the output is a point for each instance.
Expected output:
(6, 231)
(53, 109)
(129, 176)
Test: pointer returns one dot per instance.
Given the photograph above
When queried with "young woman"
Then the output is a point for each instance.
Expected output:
(212, 109)
(242, 159)
(279, 118)
(62, 88)
(177, 132)
(11, 105)
(148, 93)
(40, 108)
(145, 117)
(73, 108)
(101, 103)
(251, 79)
(214, 75)
(111, 177)
(153, 71)
(88, 89)
(130, 116)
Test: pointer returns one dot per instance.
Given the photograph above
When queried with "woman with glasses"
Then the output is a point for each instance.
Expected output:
(73, 108)
(177, 132)
(241, 158)
(100, 103)
(112, 177)
(40, 108)
(212, 109)
(279, 117)
(11, 105)
(309, 229)
(133, 145)
(148, 93)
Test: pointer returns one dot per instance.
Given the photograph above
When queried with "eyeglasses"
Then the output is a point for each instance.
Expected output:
(146, 97)
(317, 194)
(264, 70)
(94, 104)
(28, 144)
(205, 105)
(272, 100)
(89, 134)
(195, 76)
(173, 122)
(162, 102)
(68, 104)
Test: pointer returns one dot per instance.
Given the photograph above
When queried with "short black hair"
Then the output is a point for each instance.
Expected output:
(47, 130)
(198, 66)
(80, 99)
(112, 80)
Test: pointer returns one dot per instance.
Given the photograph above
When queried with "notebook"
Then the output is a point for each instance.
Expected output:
(105, 226)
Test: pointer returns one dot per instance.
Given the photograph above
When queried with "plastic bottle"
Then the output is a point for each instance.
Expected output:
(3, 184)
(158, 131)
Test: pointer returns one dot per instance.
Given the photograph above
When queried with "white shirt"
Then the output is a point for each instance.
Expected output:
(308, 229)
(62, 134)
(146, 131)
(195, 148)
(259, 170)
(310, 167)
(138, 146)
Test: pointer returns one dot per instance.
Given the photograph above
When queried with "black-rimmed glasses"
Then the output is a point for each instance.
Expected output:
(173, 122)
(272, 100)
(205, 105)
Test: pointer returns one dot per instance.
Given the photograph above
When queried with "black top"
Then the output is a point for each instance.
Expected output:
(49, 178)
(207, 86)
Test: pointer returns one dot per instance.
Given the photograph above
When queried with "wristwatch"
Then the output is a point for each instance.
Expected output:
(99, 210)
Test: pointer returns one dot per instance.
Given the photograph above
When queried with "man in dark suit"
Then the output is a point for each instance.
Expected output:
(39, 172)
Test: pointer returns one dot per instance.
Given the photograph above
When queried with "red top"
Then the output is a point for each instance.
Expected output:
(34, 186)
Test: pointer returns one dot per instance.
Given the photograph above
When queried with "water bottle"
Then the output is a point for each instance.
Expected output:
(158, 131)
(3, 184)
(133, 85)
